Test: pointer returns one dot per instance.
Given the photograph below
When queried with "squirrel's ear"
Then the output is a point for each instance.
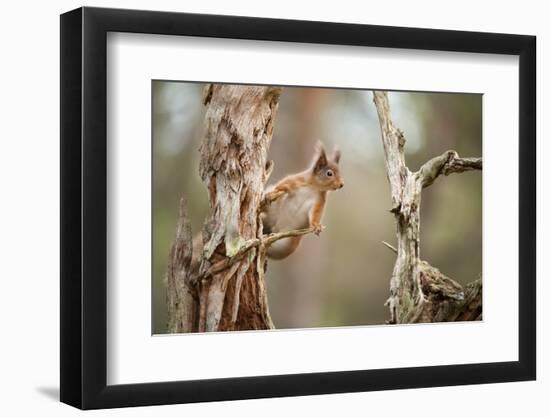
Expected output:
(336, 155)
(321, 158)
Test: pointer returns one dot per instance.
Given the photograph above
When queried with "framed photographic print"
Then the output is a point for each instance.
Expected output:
(257, 208)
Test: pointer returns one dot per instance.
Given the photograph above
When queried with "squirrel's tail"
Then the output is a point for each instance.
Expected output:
(283, 248)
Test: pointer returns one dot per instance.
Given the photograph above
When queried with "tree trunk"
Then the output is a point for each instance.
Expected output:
(216, 283)
(418, 291)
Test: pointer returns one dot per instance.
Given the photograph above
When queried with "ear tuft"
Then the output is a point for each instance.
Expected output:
(321, 160)
(336, 155)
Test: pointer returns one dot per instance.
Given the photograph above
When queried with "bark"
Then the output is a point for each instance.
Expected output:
(216, 281)
(226, 290)
(418, 291)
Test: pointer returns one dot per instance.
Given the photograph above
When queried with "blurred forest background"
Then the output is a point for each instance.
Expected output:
(340, 278)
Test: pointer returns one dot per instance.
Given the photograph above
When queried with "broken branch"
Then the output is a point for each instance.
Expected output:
(390, 247)
(265, 240)
(448, 163)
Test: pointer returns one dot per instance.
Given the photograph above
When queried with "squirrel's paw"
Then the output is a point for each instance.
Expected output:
(264, 204)
(271, 197)
(318, 228)
(268, 199)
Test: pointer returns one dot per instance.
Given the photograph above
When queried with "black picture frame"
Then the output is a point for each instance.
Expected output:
(84, 207)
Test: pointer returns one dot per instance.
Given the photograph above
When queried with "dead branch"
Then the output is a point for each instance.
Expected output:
(390, 247)
(446, 164)
(394, 144)
(418, 291)
(266, 240)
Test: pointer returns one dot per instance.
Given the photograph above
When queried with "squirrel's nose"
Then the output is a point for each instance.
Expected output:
(341, 185)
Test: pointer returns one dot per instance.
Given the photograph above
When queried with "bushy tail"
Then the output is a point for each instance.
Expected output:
(283, 248)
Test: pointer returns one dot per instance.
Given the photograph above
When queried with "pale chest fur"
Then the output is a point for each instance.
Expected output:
(292, 210)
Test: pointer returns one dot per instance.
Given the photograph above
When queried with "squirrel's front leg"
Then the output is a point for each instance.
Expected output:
(277, 192)
(317, 214)
(273, 195)
(269, 198)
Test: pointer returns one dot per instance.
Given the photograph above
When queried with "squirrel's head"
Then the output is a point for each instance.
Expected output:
(326, 170)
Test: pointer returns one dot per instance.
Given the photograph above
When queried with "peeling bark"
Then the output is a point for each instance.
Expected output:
(226, 290)
(418, 291)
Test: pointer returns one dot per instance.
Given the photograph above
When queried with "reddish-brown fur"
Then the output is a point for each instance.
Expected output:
(298, 201)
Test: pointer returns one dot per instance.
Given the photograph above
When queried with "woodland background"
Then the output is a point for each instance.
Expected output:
(34, 388)
(342, 277)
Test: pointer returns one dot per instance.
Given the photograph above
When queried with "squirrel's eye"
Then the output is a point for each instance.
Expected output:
(329, 173)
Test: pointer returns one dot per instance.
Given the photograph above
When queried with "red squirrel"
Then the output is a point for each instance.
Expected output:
(298, 201)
